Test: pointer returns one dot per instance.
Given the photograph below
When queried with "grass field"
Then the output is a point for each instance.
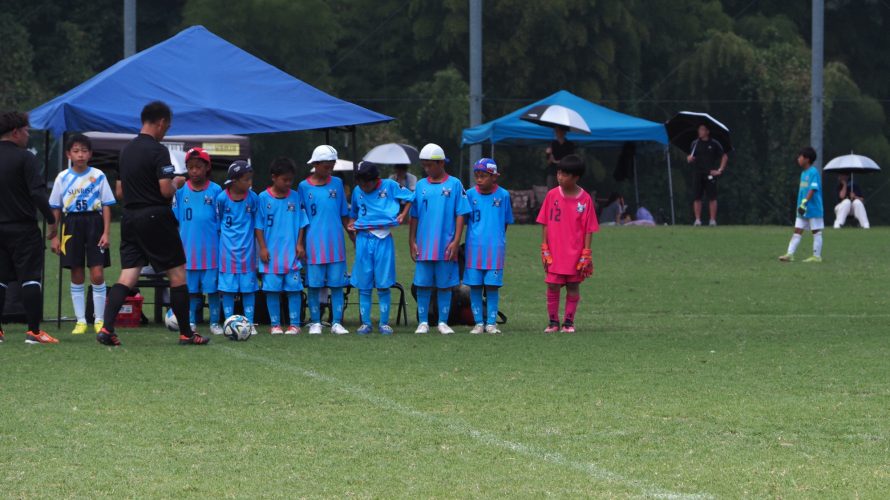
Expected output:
(702, 367)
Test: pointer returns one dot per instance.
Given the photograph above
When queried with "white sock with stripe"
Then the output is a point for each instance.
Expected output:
(99, 292)
(80, 307)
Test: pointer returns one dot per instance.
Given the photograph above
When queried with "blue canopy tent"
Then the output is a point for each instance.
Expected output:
(608, 128)
(212, 86)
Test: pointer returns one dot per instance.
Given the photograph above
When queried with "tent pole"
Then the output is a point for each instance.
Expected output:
(667, 154)
(327, 136)
(354, 153)
(636, 183)
(492, 151)
(460, 166)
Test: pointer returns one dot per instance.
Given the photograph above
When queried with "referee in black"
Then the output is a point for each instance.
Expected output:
(149, 231)
(21, 246)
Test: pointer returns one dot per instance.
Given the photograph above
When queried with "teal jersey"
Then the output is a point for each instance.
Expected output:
(811, 178)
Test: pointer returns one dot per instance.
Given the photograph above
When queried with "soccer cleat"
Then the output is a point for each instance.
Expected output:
(493, 329)
(337, 329)
(40, 337)
(194, 327)
(292, 330)
(788, 257)
(79, 328)
(105, 337)
(567, 328)
(423, 328)
(444, 329)
(195, 339)
(696, 223)
(276, 330)
(97, 325)
(814, 258)
(363, 330)
(552, 328)
(479, 328)
(712, 223)
(314, 328)
(1, 336)
(216, 329)
(385, 330)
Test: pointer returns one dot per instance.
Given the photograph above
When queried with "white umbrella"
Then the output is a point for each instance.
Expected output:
(554, 115)
(340, 166)
(852, 164)
(393, 154)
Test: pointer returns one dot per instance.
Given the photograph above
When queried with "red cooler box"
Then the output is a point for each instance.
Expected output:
(130, 315)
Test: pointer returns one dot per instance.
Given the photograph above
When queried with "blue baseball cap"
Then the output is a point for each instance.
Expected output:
(236, 170)
(486, 165)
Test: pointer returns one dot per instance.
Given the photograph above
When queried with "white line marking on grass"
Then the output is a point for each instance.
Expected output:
(487, 438)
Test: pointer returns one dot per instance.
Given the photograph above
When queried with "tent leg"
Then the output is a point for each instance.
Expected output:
(636, 182)
(492, 151)
(460, 167)
(667, 154)
(354, 153)
(327, 136)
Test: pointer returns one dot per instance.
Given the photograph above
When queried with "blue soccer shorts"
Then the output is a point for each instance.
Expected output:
(202, 280)
(332, 275)
(237, 282)
(375, 262)
(487, 277)
(436, 273)
(289, 282)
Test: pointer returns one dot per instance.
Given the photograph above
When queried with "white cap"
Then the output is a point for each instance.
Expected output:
(432, 152)
(323, 153)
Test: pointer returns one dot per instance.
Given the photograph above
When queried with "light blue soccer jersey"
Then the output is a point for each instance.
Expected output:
(811, 179)
(83, 192)
(281, 220)
(325, 206)
(196, 213)
(436, 205)
(487, 228)
(237, 240)
(380, 207)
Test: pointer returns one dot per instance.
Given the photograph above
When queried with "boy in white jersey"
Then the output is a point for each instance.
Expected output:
(83, 195)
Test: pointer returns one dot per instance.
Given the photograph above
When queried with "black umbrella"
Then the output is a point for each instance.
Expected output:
(554, 115)
(682, 130)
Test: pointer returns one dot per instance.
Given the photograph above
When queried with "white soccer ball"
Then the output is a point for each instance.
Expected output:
(170, 321)
(237, 327)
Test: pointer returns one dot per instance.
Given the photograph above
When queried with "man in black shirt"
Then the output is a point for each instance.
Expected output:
(709, 160)
(149, 231)
(559, 149)
(21, 246)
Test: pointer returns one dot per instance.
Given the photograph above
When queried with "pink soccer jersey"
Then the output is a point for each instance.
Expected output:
(568, 221)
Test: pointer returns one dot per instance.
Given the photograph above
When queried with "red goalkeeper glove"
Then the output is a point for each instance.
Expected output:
(546, 258)
(585, 263)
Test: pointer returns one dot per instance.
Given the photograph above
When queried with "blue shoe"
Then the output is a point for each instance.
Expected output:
(364, 330)
(385, 330)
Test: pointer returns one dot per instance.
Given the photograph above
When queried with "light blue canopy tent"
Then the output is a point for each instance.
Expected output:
(608, 128)
(212, 86)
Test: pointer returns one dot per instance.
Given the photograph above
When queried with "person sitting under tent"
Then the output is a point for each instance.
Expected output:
(851, 198)
(614, 211)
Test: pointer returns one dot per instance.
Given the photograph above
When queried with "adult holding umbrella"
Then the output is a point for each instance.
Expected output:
(849, 194)
(706, 143)
(562, 120)
(400, 156)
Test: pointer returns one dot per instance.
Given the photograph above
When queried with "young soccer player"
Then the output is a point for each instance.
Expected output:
(569, 219)
(374, 211)
(195, 208)
(323, 198)
(809, 207)
(437, 224)
(491, 212)
(82, 193)
(280, 242)
(236, 210)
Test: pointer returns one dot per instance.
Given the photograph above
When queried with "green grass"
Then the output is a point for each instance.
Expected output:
(701, 366)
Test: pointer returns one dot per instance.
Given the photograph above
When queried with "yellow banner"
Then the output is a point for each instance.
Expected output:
(222, 148)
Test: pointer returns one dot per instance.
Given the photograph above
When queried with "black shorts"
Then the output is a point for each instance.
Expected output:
(701, 185)
(80, 237)
(21, 253)
(151, 236)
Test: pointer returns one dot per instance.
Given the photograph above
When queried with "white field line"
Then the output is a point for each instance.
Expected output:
(458, 427)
